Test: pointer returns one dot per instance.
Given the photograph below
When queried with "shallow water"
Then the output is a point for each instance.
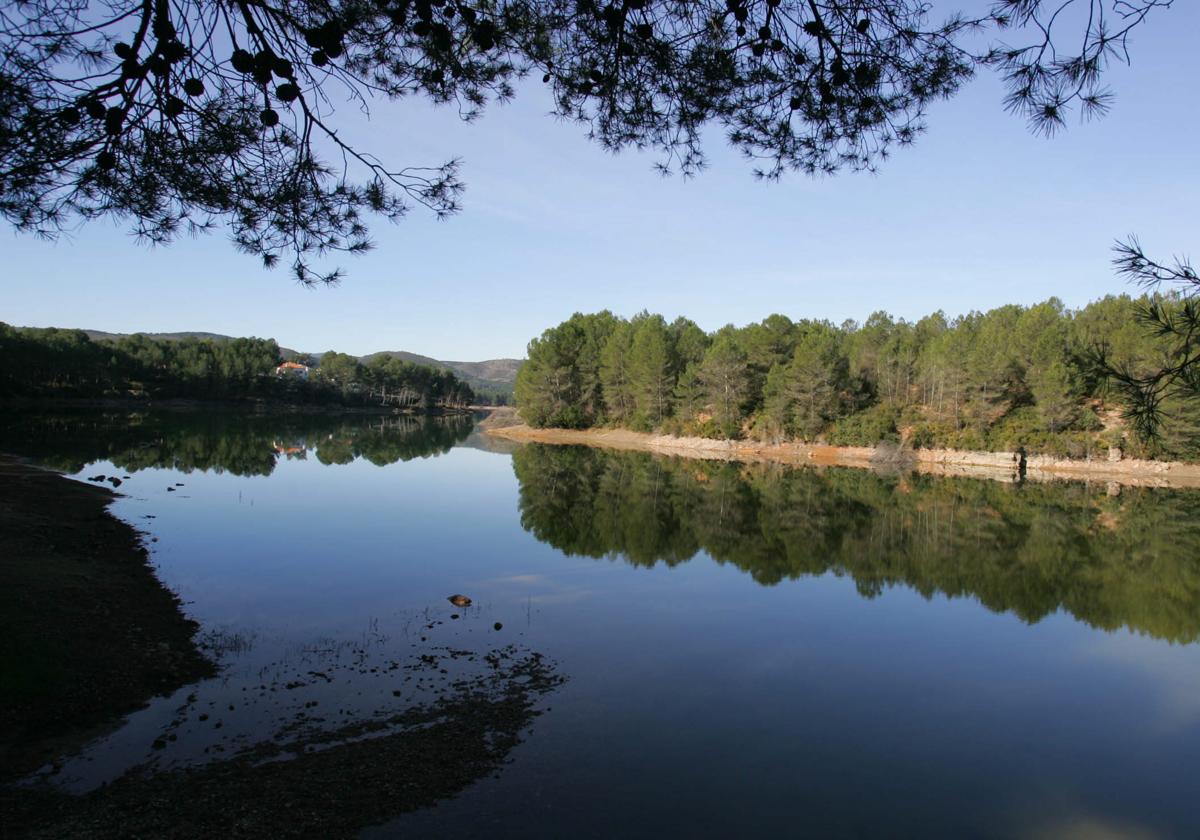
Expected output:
(746, 648)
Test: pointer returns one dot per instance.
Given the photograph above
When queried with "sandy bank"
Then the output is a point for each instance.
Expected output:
(997, 465)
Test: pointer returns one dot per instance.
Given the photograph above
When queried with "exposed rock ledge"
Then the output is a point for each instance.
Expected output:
(998, 465)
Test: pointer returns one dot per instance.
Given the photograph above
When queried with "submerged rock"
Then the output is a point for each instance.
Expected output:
(459, 600)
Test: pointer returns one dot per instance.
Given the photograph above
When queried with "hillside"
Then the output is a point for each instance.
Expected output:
(491, 376)
(101, 335)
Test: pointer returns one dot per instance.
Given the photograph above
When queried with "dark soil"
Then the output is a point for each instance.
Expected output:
(87, 632)
(330, 784)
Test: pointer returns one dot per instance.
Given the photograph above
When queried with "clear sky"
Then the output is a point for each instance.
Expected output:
(977, 214)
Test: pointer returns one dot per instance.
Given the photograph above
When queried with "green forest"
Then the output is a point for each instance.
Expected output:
(1030, 549)
(1011, 378)
(56, 363)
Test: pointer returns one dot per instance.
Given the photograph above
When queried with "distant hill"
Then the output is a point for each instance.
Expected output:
(492, 376)
(100, 335)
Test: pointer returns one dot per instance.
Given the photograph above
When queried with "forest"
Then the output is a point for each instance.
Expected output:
(56, 363)
(1011, 378)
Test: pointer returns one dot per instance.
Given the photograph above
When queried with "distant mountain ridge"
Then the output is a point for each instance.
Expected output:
(491, 375)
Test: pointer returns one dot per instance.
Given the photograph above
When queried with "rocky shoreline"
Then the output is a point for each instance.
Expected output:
(996, 465)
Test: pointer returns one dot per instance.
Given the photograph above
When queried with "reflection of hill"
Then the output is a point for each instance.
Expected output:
(1131, 561)
(490, 443)
(236, 442)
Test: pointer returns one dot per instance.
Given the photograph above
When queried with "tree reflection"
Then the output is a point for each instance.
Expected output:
(240, 443)
(1131, 560)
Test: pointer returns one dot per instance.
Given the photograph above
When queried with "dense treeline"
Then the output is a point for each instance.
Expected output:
(67, 363)
(492, 395)
(1131, 560)
(386, 380)
(237, 442)
(1001, 380)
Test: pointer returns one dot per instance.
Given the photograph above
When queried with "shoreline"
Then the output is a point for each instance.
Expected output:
(88, 633)
(1000, 466)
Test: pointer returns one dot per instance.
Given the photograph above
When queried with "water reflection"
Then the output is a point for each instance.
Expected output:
(308, 727)
(1131, 560)
(754, 693)
(241, 443)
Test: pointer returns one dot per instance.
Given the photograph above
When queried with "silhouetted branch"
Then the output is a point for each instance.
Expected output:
(1175, 321)
(179, 114)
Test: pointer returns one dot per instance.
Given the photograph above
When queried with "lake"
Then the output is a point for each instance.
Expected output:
(721, 649)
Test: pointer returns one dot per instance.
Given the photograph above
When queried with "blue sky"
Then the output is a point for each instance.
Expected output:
(978, 213)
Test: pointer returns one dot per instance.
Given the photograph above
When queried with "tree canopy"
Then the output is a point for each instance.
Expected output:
(1014, 377)
(182, 115)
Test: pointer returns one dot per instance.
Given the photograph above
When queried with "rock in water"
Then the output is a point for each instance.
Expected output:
(459, 600)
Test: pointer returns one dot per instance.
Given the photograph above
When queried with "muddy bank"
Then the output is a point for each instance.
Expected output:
(998, 465)
(87, 632)
(328, 783)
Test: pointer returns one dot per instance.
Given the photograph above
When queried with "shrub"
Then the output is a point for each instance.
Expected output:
(867, 427)
(969, 438)
(675, 426)
(1088, 421)
(767, 429)
(932, 436)
(1112, 438)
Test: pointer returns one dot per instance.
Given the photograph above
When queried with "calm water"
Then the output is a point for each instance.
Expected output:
(746, 649)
